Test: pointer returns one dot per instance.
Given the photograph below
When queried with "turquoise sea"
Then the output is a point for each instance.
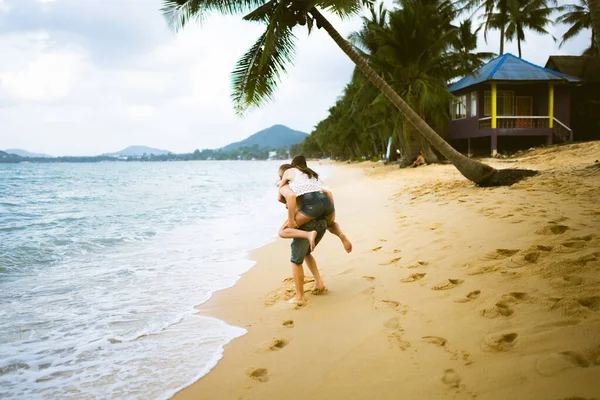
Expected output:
(101, 266)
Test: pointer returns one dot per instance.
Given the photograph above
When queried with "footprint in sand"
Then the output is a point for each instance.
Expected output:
(376, 248)
(392, 323)
(391, 303)
(499, 341)
(448, 284)
(469, 297)
(259, 374)
(514, 297)
(554, 363)
(419, 264)
(499, 254)
(499, 309)
(483, 269)
(413, 277)
(392, 261)
(593, 303)
(524, 259)
(369, 278)
(552, 229)
(278, 344)
(451, 378)
(568, 280)
(288, 324)
(438, 341)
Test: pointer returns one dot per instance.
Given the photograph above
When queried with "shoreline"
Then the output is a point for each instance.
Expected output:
(432, 303)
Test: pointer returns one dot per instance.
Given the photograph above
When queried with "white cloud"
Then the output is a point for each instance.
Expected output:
(48, 77)
(4, 7)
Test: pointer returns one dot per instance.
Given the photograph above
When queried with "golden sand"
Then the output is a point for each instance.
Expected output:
(452, 291)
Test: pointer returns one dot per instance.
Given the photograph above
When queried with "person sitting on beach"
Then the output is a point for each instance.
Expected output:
(419, 161)
(297, 181)
(300, 252)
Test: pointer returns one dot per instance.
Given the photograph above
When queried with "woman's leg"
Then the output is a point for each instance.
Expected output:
(334, 228)
(311, 263)
(290, 233)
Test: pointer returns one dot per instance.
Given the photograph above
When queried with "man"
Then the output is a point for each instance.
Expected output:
(300, 249)
(419, 161)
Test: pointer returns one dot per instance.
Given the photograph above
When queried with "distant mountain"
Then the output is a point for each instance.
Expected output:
(275, 137)
(9, 157)
(133, 151)
(25, 153)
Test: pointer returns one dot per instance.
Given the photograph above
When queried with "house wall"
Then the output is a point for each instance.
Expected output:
(562, 103)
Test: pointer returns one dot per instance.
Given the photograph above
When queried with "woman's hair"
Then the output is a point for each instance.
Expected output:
(300, 162)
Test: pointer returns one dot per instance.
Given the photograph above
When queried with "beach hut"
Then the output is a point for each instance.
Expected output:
(585, 103)
(510, 98)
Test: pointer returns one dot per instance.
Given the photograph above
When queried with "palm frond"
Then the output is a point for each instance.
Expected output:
(178, 13)
(257, 73)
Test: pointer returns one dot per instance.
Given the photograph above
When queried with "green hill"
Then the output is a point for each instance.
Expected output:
(275, 137)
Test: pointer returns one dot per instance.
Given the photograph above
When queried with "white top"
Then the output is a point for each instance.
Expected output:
(303, 184)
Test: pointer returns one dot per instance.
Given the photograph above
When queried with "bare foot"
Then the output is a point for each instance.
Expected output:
(321, 289)
(299, 302)
(346, 242)
(311, 240)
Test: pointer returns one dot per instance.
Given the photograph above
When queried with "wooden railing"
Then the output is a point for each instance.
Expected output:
(562, 131)
(515, 122)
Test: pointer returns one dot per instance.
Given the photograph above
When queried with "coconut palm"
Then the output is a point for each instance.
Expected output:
(528, 14)
(464, 57)
(495, 14)
(258, 72)
(594, 6)
(579, 18)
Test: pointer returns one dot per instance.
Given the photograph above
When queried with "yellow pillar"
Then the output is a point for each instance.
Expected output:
(551, 105)
(494, 111)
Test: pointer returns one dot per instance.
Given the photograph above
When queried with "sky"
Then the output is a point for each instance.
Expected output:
(86, 77)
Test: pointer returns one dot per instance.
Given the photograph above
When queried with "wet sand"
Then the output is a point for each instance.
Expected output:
(452, 291)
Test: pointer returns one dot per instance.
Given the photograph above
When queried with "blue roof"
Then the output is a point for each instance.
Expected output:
(510, 68)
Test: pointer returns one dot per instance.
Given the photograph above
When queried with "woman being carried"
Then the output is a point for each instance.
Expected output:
(298, 182)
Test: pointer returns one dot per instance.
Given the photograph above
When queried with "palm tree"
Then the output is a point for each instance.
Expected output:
(495, 13)
(594, 6)
(578, 16)
(258, 72)
(528, 14)
(465, 59)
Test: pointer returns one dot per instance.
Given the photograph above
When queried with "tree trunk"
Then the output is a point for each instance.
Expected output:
(470, 169)
(502, 40)
(519, 44)
(594, 6)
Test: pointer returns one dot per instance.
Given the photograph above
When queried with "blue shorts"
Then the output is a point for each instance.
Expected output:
(316, 205)
(301, 247)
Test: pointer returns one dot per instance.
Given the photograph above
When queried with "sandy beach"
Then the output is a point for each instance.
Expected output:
(452, 291)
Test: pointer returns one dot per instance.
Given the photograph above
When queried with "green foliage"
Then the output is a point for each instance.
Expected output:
(578, 17)
(416, 49)
(259, 71)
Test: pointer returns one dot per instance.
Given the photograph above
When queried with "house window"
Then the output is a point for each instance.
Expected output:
(459, 107)
(505, 103)
(473, 104)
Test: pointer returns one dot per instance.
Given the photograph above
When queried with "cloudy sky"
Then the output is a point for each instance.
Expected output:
(84, 77)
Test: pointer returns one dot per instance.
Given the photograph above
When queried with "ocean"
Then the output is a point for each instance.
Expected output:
(101, 266)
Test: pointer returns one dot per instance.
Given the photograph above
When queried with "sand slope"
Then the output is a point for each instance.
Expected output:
(452, 291)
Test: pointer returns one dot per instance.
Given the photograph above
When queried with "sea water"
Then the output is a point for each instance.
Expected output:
(101, 266)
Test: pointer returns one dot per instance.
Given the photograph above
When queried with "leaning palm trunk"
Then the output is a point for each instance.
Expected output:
(594, 6)
(470, 169)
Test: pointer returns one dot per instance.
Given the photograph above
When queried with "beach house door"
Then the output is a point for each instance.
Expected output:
(524, 108)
